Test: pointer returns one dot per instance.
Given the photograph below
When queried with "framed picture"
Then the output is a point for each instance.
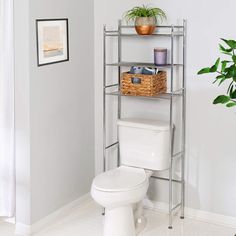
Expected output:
(52, 41)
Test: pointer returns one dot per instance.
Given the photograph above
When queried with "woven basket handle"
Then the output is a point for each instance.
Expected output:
(136, 80)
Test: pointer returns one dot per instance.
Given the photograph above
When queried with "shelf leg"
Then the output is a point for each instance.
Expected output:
(104, 104)
(183, 126)
(171, 132)
(119, 78)
(170, 197)
(103, 211)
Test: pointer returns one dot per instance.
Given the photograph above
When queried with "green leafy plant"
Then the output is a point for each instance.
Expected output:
(225, 71)
(145, 11)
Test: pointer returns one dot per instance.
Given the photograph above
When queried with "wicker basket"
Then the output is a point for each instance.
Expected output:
(143, 85)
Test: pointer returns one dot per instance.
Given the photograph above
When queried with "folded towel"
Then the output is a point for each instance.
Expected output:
(149, 71)
(136, 70)
(143, 70)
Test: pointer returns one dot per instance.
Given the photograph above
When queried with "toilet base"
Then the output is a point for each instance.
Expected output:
(140, 224)
(119, 221)
(140, 220)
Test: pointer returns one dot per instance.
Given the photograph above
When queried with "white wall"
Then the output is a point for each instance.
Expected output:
(211, 161)
(62, 112)
(58, 109)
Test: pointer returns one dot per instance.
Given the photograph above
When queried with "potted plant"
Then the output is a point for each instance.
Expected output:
(145, 18)
(225, 71)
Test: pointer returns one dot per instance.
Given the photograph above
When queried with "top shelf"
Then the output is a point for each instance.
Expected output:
(116, 34)
(157, 26)
(178, 31)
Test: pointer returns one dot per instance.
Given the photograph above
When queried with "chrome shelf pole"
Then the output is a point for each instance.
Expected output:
(119, 82)
(171, 131)
(104, 98)
(183, 124)
(104, 103)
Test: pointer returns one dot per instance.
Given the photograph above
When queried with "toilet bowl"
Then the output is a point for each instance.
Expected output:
(120, 192)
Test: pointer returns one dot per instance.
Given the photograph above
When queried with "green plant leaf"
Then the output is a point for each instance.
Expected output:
(226, 72)
(210, 69)
(217, 62)
(234, 58)
(231, 104)
(204, 71)
(220, 77)
(233, 70)
(144, 11)
(230, 71)
(223, 65)
(222, 80)
(214, 68)
(233, 94)
(230, 88)
(230, 43)
(225, 51)
(221, 99)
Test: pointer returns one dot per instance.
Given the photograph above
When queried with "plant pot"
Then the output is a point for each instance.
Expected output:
(145, 25)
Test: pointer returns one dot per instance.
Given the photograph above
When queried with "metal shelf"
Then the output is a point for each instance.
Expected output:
(173, 32)
(142, 64)
(166, 96)
(166, 179)
(157, 26)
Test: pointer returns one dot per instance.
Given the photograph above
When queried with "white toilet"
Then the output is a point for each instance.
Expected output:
(143, 149)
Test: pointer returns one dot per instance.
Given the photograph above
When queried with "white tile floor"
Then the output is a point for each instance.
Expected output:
(87, 221)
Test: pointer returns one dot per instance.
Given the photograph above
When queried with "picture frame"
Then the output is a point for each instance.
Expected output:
(52, 36)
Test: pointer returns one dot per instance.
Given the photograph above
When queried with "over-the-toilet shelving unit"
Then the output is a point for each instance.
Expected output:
(173, 32)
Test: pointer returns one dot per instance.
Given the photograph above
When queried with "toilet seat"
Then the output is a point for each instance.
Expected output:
(121, 179)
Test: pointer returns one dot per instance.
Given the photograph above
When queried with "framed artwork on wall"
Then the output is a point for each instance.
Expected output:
(52, 41)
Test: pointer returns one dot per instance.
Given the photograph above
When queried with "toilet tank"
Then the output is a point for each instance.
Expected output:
(144, 143)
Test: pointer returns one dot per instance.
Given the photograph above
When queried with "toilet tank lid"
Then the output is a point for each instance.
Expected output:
(141, 123)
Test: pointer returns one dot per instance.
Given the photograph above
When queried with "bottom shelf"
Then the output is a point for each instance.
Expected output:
(166, 96)
(166, 179)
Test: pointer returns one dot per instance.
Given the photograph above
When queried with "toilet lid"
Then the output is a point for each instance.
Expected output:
(120, 179)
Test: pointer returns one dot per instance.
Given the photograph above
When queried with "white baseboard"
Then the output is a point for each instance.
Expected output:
(8, 220)
(28, 230)
(195, 214)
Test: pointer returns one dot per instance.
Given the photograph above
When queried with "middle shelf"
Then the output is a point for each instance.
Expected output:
(142, 64)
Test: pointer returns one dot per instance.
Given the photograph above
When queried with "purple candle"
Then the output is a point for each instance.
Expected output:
(160, 56)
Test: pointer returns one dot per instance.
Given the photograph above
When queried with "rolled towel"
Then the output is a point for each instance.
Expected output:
(136, 70)
(149, 71)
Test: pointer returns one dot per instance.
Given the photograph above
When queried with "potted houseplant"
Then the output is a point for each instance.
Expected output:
(225, 71)
(145, 18)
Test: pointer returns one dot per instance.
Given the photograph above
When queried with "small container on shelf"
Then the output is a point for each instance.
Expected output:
(160, 56)
(143, 85)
